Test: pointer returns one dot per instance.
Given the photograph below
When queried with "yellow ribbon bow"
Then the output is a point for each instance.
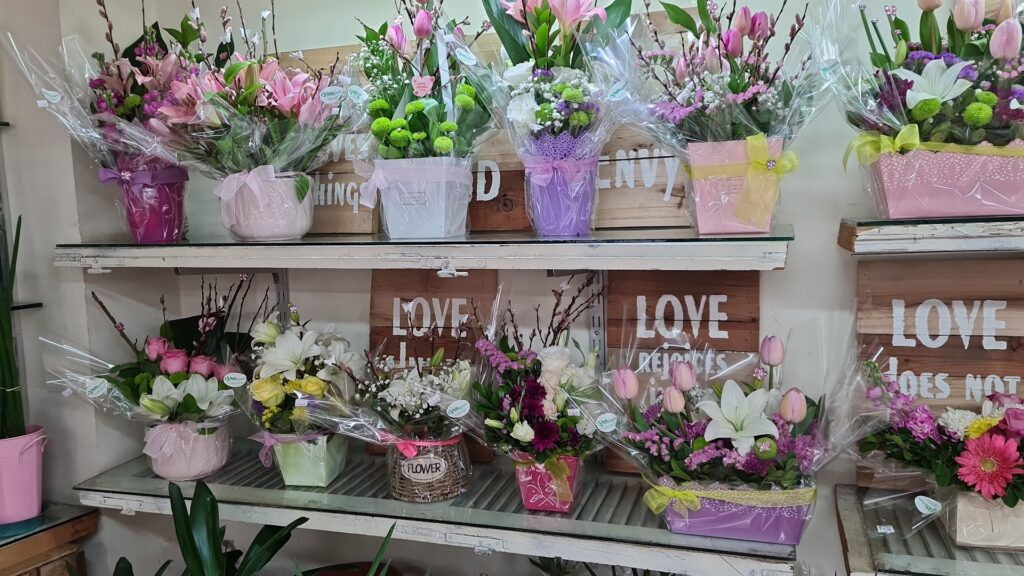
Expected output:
(658, 499)
(685, 499)
(870, 146)
(761, 191)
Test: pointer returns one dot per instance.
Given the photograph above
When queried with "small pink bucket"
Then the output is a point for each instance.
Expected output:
(21, 476)
(716, 199)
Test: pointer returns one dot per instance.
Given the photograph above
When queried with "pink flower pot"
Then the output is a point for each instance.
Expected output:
(924, 184)
(187, 451)
(537, 487)
(21, 475)
(152, 196)
(715, 199)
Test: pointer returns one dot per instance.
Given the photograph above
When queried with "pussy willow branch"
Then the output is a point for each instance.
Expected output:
(118, 326)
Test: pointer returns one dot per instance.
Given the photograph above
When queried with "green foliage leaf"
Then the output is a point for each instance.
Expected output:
(205, 522)
(618, 12)
(124, 567)
(224, 52)
(705, 16)
(508, 30)
(267, 543)
(183, 530)
(904, 29)
(234, 69)
(189, 406)
(301, 187)
(129, 52)
(879, 60)
(680, 17)
(380, 553)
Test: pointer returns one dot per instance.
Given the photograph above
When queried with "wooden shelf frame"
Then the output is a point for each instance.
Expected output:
(867, 237)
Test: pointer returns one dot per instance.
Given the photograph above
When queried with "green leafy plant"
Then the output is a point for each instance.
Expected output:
(12, 414)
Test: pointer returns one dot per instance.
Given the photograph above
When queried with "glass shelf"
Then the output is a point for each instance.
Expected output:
(633, 249)
(53, 515)
(871, 549)
(609, 524)
(872, 236)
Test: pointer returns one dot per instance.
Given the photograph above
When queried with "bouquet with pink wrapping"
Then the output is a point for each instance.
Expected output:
(729, 98)
(178, 383)
(936, 106)
(427, 121)
(105, 105)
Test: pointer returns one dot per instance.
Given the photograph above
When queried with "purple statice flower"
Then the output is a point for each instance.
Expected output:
(806, 450)
(921, 423)
(706, 454)
(506, 404)
(541, 73)
(652, 413)
(733, 458)
(760, 373)
(675, 113)
(495, 357)
(545, 435)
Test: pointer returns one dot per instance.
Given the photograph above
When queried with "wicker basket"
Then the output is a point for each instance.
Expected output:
(434, 474)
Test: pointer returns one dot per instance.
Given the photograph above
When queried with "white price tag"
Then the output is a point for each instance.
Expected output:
(573, 412)
(885, 529)
(606, 422)
(301, 402)
(331, 94)
(434, 400)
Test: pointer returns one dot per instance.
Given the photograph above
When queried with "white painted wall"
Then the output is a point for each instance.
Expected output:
(45, 170)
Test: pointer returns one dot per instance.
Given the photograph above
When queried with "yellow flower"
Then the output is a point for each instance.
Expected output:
(980, 426)
(268, 391)
(313, 386)
(299, 413)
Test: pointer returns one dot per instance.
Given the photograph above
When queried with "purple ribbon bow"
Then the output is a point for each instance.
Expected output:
(139, 179)
(541, 170)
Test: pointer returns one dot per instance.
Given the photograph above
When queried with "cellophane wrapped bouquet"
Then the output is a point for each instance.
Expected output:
(427, 121)
(295, 365)
(729, 98)
(726, 451)
(178, 383)
(557, 115)
(256, 127)
(105, 102)
(936, 107)
(971, 460)
(527, 400)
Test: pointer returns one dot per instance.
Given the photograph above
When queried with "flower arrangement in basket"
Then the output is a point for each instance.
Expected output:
(108, 116)
(295, 366)
(939, 116)
(178, 383)
(724, 458)
(553, 110)
(256, 127)
(975, 452)
(427, 120)
(729, 100)
(528, 401)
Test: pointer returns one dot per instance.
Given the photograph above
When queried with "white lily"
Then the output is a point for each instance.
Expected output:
(266, 332)
(936, 81)
(288, 354)
(208, 397)
(739, 418)
(163, 399)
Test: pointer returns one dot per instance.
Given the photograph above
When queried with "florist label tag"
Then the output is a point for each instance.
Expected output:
(235, 380)
(458, 409)
(927, 506)
(954, 329)
(424, 468)
(331, 94)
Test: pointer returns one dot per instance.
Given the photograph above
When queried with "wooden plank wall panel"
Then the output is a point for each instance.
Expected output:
(954, 329)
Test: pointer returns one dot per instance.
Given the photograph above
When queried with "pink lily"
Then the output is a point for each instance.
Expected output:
(514, 8)
(570, 13)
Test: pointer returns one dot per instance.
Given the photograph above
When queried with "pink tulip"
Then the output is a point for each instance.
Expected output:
(968, 15)
(174, 361)
(673, 402)
(793, 408)
(202, 365)
(156, 346)
(1006, 40)
(222, 370)
(396, 37)
(712, 60)
(760, 26)
(514, 8)
(929, 5)
(682, 70)
(684, 377)
(742, 20)
(625, 383)
(570, 13)
(773, 351)
(732, 43)
(423, 25)
(1000, 10)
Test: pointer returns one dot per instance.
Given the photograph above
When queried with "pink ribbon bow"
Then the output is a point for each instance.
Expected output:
(166, 439)
(269, 440)
(541, 170)
(139, 179)
(410, 448)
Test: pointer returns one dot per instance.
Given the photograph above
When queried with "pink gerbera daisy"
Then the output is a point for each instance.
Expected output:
(989, 464)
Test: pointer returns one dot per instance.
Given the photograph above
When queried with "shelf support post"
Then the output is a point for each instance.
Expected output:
(282, 290)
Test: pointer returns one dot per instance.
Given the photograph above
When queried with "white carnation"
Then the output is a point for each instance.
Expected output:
(519, 73)
(522, 113)
(553, 362)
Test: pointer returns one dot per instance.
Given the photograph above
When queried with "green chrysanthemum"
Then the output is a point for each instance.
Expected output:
(986, 97)
(579, 119)
(926, 110)
(379, 108)
(448, 127)
(415, 107)
(978, 115)
(399, 124)
(559, 88)
(443, 145)
(380, 128)
(574, 95)
(419, 136)
(546, 113)
(465, 102)
(400, 138)
(467, 90)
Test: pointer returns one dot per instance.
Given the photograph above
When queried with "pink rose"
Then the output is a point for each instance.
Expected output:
(156, 346)
(222, 370)
(422, 86)
(1014, 421)
(202, 365)
(174, 361)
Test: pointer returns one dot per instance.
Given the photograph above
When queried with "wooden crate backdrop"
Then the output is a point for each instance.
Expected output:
(640, 184)
(954, 329)
(719, 310)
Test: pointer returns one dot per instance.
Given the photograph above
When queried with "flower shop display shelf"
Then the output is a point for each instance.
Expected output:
(647, 249)
(609, 524)
(872, 236)
(874, 543)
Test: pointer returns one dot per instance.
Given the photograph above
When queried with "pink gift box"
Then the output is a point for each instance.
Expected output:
(924, 184)
(537, 487)
(715, 199)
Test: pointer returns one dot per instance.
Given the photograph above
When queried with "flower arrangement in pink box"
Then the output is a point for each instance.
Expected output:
(975, 452)
(729, 100)
(108, 114)
(524, 398)
(939, 114)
